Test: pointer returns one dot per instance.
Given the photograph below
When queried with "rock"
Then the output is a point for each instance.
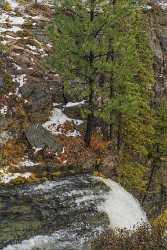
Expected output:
(4, 123)
(41, 95)
(163, 41)
(39, 137)
(5, 136)
(39, 98)
(74, 112)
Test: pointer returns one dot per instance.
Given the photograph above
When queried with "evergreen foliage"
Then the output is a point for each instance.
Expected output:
(102, 52)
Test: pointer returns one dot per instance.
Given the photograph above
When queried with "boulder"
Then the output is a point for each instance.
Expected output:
(39, 99)
(163, 41)
(40, 138)
(41, 95)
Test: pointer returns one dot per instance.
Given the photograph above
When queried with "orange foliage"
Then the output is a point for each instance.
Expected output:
(13, 151)
(98, 144)
(75, 153)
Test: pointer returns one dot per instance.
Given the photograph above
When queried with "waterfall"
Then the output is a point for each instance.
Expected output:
(123, 210)
(75, 210)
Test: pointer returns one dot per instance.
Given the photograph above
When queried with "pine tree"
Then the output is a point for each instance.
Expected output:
(102, 52)
(80, 43)
(127, 109)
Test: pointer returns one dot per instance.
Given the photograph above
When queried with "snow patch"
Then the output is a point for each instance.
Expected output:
(27, 163)
(59, 118)
(4, 110)
(21, 79)
(74, 104)
(7, 178)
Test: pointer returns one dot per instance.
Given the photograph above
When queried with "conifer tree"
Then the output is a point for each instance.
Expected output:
(127, 108)
(80, 43)
(102, 53)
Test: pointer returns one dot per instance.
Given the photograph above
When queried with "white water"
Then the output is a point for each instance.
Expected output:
(44, 242)
(123, 211)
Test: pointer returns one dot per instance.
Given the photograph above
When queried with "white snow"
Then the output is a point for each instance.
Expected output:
(17, 66)
(13, 20)
(4, 110)
(13, 29)
(27, 163)
(74, 104)
(36, 150)
(7, 178)
(21, 79)
(59, 118)
(4, 42)
(123, 210)
(74, 133)
(147, 7)
(163, 4)
(13, 3)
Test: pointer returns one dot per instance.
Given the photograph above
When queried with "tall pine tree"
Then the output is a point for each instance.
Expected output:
(102, 53)
(81, 47)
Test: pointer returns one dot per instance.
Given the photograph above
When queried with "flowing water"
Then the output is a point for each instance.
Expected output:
(65, 214)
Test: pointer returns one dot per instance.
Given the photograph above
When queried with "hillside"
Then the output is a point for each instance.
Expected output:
(64, 132)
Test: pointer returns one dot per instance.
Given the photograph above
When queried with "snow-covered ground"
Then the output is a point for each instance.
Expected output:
(57, 119)
(10, 23)
(6, 176)
(14, 21)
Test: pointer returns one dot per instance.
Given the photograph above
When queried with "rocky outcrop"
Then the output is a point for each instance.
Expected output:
(157, 198)
(39, 138)
(158, 32)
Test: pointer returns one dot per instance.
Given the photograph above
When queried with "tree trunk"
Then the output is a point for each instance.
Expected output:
(64, 95)
(90, 117)
(88, 133)
(149, 182)
(153, 171)
(119, 133)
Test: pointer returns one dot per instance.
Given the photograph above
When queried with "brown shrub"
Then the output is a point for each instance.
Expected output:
(142, 239)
